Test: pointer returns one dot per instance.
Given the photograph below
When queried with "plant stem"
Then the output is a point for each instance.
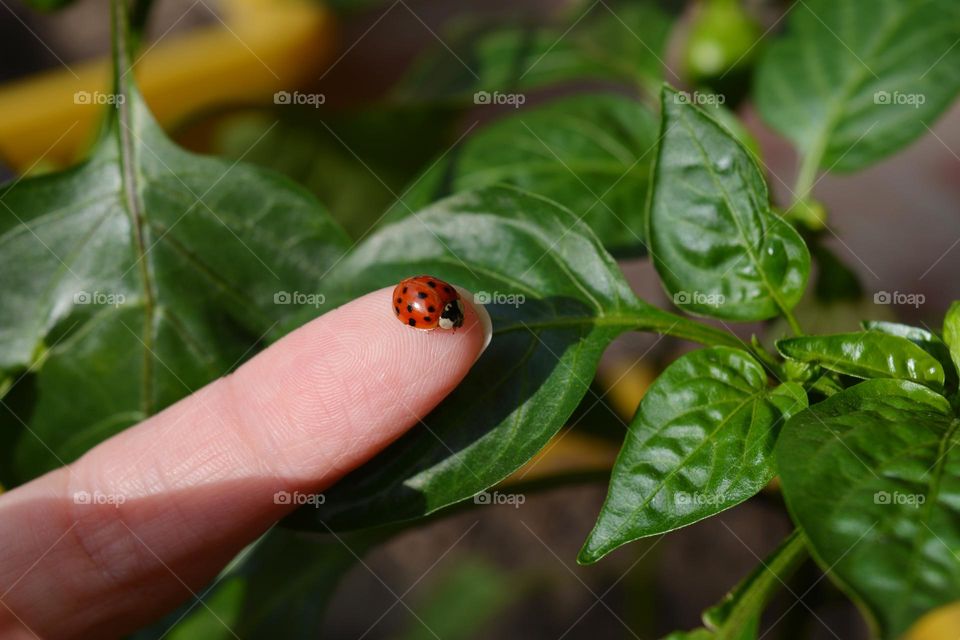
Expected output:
(806, 176)
(792, 321)
(751, 596)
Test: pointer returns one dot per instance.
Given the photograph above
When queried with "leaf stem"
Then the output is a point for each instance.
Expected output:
(665, 323)
(792, 321)
(806, 176)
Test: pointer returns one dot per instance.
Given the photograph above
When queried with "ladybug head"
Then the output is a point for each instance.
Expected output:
(452, 315)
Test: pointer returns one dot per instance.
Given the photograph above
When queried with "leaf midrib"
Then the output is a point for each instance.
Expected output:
(736, 221)
(838, 106)
(131, 196)
(629, 521)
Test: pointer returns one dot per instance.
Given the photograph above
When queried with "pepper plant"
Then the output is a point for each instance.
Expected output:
(859, 427)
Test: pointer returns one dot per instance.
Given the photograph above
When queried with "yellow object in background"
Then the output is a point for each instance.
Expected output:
(940, 624)
(259, 48)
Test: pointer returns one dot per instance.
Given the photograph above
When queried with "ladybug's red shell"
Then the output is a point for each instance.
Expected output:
(426, 302)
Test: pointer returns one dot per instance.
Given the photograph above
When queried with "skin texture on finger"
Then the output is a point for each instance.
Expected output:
(167, 503)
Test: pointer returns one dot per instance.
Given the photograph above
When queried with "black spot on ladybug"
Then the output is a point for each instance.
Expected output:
(399, 299)
(431, 308)
(421, 294)
(397, 309)
(404, 289)
(431, 284)
(448, 289)
(412, 322)
(409, 308)
(426, 318)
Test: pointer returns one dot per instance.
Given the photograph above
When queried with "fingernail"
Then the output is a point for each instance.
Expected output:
(486, 324)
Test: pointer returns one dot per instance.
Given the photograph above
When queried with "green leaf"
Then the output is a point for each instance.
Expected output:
(142, 274)
(866, 354)
(591, 152)
(926, 340)
(872, 476)
(855, 80)
(559, 299)
(620, 42)
(701, 442)
(717, 246)
(951, 333)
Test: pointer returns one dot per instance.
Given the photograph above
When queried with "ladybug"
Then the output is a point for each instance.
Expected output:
(425, 302)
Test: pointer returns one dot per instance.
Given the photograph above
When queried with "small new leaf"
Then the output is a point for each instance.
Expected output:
(926, 340)
(867, 354)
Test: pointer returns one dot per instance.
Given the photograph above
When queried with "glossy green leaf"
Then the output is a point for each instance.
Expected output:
(951, 333)
(872, 475)
(717, 246)
(855, 80)
(621, 42)
(701, 442)
(142, 274)
(926, 340)
(557, 300)
(592, 153)
(866, 354)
